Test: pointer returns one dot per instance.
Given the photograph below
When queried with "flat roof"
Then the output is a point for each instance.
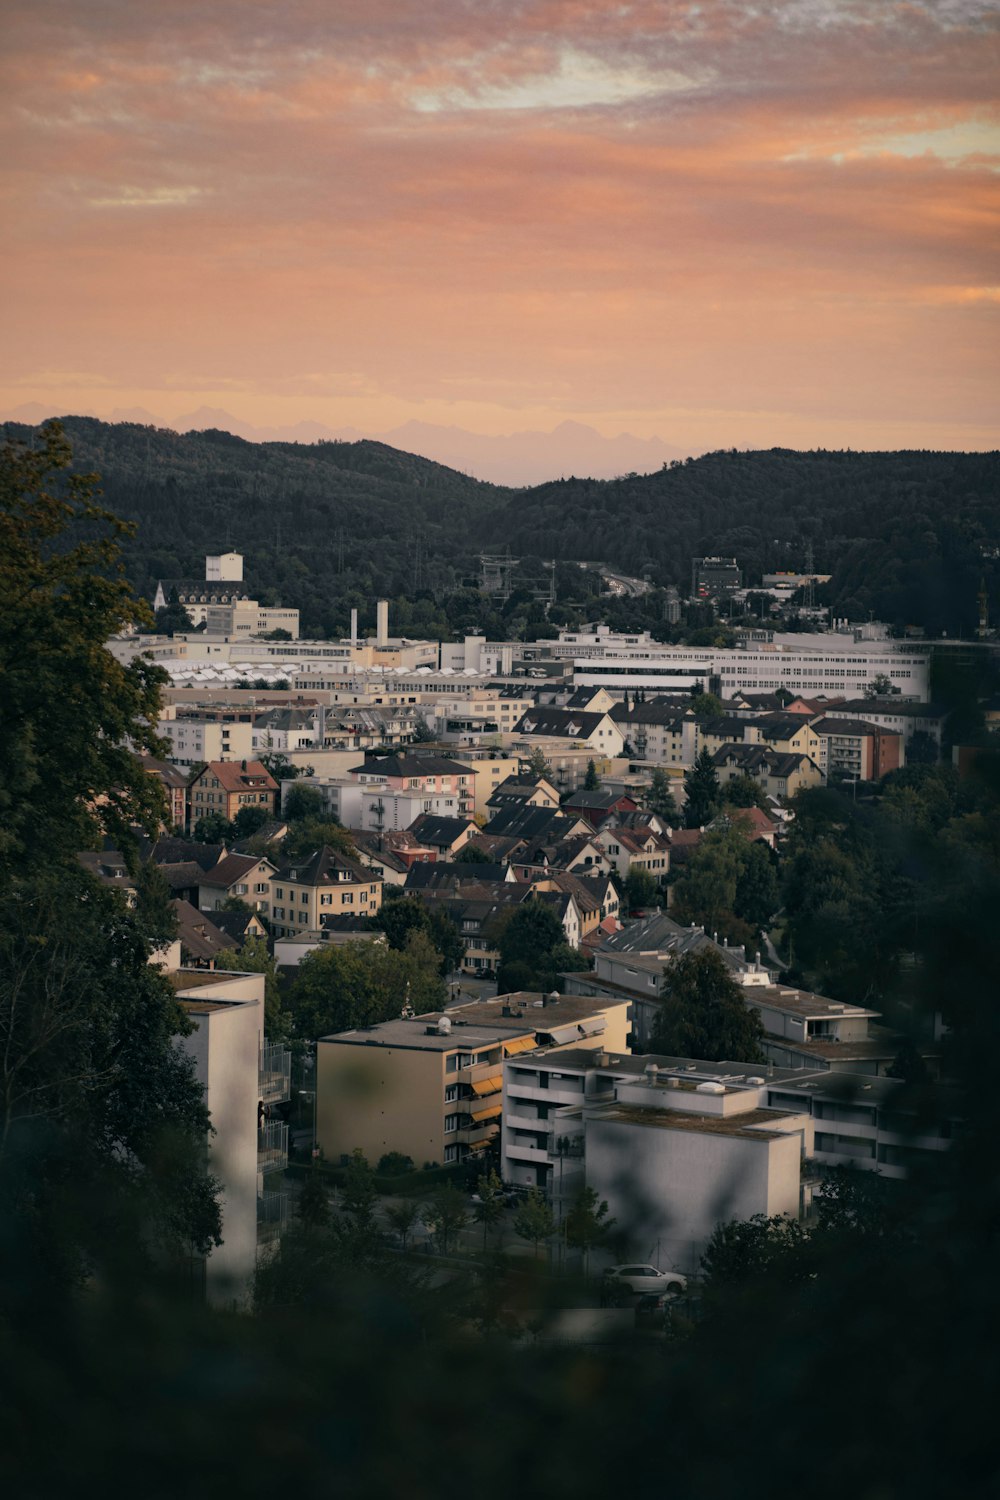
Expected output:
(418, 1034)
(738, 1126)
(700, 1070)
(803, 1003)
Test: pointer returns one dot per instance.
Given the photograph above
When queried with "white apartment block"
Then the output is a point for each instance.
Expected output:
(198, 741)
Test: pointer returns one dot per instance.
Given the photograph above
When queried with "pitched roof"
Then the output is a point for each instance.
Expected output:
(410, 766)
(232, 868)
(171, 851)
(234, 924)
(326, 866)
(850, 726)
(452, 873)
(239, 775)
(200, 938)
(436, 832)
(183, 876)
(170, 775)
(559, 723)
(599, 800)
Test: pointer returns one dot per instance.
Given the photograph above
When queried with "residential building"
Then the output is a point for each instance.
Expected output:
(326, 883)
(174, 783)
(596, 733)
(447, 784)
(854, 750)
(639, 849)
(242, 1076)
(226, 787)
(600, 805)
(198, 736)
(673, 1146)
(245, 877)
(779, 775)
(431, 1086)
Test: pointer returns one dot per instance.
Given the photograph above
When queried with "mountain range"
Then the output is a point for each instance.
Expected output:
(516, 459)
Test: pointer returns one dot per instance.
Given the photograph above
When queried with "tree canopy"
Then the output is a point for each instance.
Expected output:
(703, 1013)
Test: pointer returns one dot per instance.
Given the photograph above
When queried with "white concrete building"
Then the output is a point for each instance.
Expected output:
(673, 1146)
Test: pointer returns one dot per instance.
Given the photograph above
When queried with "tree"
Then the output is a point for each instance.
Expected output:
(399, 918)
(213, 828)
(747, 1251)
(445, 1214)
(881, 686)
(537, 764)
(394, 1164)
(660, 798)
(73, 716)
(302, 802)
(706, 706)
(703, 1013)
(758, 891)
(313, 1205)
(472, 854)
(401, 1216)
(248, 821)
(173, 619)
(922, 749)
(744, 791)
(640, 888)
(358, 1195)
(591, 782)
(587, 1225)
(534, 1220)
(276, 762)
(102, 1120)
(447, 940)
(489, 1210)
(359, 984)
(422, 732)
(701, 785)
(309, 834)
(526, 940)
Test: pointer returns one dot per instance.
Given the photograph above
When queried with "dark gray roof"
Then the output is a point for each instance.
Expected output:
(436, 831)
(559, 723)
(441, 873)
(324, 867)
(410, 765)
(600, 801)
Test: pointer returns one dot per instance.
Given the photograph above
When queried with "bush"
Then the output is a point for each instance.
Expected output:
(394, 1164)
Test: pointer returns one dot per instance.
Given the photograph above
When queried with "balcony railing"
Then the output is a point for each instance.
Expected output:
(274, 1074)
(272, 1217)
(272, 1147)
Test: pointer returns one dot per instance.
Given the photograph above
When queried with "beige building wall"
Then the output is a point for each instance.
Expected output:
(379, 1099)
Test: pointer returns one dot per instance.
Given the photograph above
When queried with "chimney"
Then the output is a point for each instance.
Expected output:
(354, 627)
(382, 622)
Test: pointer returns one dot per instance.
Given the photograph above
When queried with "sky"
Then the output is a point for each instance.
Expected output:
(721, 224)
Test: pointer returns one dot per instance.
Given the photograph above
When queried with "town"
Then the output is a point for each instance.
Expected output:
(475, 879)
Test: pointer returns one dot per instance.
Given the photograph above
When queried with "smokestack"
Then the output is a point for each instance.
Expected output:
(381, 622)
(354, 627)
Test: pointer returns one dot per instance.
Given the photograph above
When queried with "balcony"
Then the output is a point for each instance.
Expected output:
(274, 1074)
(479, 1072)
(272, 1147)
(520, 1151)
(272, 1217)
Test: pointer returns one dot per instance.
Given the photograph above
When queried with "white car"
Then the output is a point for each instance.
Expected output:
(644, 1279)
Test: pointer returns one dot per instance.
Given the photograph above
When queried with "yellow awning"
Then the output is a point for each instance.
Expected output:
(523, 1044)
(487, 1112)
(488, 1085)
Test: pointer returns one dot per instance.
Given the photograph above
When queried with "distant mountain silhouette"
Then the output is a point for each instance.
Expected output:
(517, 459)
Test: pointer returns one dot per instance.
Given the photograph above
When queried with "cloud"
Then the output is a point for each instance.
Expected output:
(591, 207)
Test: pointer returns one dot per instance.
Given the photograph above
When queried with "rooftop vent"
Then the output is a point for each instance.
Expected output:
(443, 1026)
(753, 1078)
(710, 1088)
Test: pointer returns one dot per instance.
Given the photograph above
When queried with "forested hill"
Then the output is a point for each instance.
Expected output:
(907, 536)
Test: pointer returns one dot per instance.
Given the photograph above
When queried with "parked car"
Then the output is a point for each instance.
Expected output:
(644, 1279)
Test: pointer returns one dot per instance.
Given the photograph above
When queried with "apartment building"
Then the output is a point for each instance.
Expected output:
(673, 1146)
(199, 735)
(225, 787)
(324, 884)
(242, 1075)
(431, 1086)
(855, 750)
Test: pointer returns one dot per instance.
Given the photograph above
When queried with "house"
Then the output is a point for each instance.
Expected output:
(523, 791)
(600, 805)
(431, 1086)
(596, 732)
(226, 787)
(630, 850)
(779, 775)
(446, 836)
(755, 824)
(246, 877)
(659, 732)
(239, 926)
(392, 853)
(174, 783)
(447, 782)
(200, 939)
(326, 883)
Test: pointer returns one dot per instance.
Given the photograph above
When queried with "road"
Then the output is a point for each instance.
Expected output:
(625, 587)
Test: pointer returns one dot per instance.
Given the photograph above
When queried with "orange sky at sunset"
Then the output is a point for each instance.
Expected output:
(724, 224)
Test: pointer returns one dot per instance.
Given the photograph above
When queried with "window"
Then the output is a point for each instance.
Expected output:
(450, 1093)
(347, 898)
(303, 897)
(450, 1153)
(279, 892)
(450, 1123)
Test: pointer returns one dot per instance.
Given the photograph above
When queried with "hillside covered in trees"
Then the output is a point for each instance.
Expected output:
(908, 537)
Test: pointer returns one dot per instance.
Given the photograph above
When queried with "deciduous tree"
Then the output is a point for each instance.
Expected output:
(703, 1013)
